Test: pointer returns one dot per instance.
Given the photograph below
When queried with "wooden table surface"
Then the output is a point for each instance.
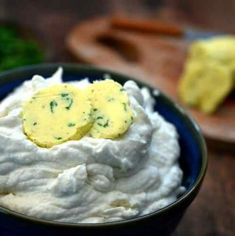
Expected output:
(213, 211)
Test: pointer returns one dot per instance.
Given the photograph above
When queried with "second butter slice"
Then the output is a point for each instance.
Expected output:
(111, 109)
(57, 114)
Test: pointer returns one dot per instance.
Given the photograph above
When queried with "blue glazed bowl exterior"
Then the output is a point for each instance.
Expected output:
(193, 161)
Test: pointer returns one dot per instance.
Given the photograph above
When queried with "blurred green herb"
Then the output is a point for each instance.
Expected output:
(16, 51)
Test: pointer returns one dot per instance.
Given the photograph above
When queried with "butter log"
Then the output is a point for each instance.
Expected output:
(208, 76)
(57, 114)
(205, 86)
(218, 49)
(111, 109)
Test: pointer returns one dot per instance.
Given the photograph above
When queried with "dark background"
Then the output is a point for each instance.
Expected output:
(213, 211)
(51, 20)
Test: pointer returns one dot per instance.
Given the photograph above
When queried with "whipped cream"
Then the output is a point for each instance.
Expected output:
(89, 180)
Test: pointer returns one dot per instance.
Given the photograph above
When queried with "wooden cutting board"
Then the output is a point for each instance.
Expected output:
(153, 58)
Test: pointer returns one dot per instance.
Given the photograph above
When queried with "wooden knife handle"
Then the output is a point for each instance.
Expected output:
(147, 26)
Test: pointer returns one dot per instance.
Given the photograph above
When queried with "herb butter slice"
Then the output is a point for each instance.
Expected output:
(111, 109)
(57, 114)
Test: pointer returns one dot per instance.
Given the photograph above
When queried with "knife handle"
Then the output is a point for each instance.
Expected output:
(147, 26)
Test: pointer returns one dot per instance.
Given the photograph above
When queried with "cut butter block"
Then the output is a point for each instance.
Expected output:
(111, 109)
(220, 49)
(205, 85)
(57, 114)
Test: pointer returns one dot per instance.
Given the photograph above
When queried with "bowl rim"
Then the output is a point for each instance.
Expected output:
(184, 198)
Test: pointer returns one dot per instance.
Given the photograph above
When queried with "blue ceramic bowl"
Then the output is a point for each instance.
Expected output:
(193, 161)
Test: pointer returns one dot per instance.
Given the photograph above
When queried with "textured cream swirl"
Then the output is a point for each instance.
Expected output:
(90, 180)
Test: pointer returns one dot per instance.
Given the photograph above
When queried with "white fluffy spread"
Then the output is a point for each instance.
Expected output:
(90, 180)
